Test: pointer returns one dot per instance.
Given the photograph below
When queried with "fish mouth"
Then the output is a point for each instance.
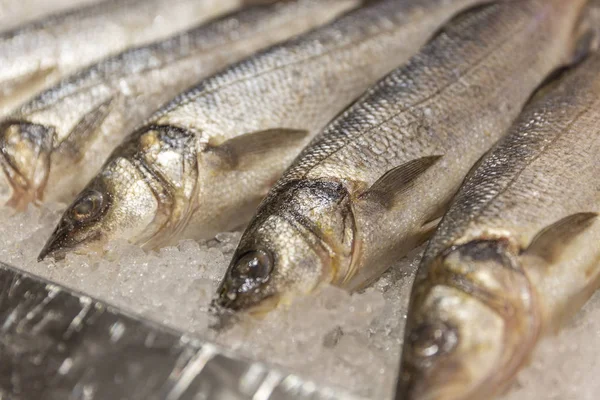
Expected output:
(226, 309)
(52, 251)
(223, 318)
(56, 247)
(63, 242)
(25, 150)
(416, 385)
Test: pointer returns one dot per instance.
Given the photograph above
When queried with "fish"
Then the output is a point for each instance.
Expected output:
(52, 145)
(39, 53)
(372, 186)
(15, 12)
(517, 253)
(201, 164)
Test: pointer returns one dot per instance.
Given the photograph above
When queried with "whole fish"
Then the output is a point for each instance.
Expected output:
(372, 186)
(517, 252)
(41, 52)
(201, 164)
(54, 144)
(15, 12)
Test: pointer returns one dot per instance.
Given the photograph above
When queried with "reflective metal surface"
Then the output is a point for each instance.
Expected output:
(58, 344)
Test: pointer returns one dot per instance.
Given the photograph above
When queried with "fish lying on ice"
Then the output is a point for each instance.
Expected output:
(201, 164)
(517, 252)
(372, 186)
(51, 146)
(41, 52)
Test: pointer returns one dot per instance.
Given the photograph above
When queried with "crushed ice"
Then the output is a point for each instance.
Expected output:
(332, 338)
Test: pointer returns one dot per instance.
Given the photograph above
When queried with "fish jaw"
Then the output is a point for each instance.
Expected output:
(64, 240)
(145, 197)
(472, 323)
(25, 151)
(77, 228)
(258, 279)
(118, 203)
(302, 239)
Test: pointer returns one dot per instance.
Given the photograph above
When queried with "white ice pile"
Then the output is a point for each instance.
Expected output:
(333, 338)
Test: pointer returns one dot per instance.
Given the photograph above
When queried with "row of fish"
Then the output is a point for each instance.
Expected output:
(201, 163)
(56, 142)
(517, 253)
(368, 178)
(44, 51)
(508, 262)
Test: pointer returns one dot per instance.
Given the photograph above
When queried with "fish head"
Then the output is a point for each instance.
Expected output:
(268, 266)
(301, 238)
(116, 204)
(451, 347)
(25, 150)
(464, 339)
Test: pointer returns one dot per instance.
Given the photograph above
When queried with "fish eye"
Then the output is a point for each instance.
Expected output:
(254, 265)
(87, 206)
(432, 339)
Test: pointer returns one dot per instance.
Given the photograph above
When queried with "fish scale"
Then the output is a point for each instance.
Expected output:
(389, 110)
(251, 119)
(42, 52)
(88, 113)
(519, 246)
(399, 154)
(17, 12)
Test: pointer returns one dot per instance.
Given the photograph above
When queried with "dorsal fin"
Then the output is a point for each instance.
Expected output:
(549, 243)
(243, 151)
(79, 137)
(398, 180)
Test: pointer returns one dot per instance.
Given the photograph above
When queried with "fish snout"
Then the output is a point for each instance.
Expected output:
(65, 239)
(223, 317)
(427, 370)
(78, 226)
(470, 325)
(247, 282)
(226, 297)
(25, 150)
(57, 244)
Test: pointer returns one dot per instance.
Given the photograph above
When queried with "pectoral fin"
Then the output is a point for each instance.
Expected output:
(243, 152)
(15, 92)
(586, 39)
(429, 228)
(387, 189)
(550, 242)
(79, 137)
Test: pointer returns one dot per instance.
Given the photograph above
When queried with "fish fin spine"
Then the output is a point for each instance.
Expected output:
(397, 181)
(550, 242)
(244, 151)
(86, 128)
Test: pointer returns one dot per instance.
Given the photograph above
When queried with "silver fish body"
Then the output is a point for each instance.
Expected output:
(17, 12)
(517, 252)
(372, 185)
(41, 52)
(55, 143)
(228, 139)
